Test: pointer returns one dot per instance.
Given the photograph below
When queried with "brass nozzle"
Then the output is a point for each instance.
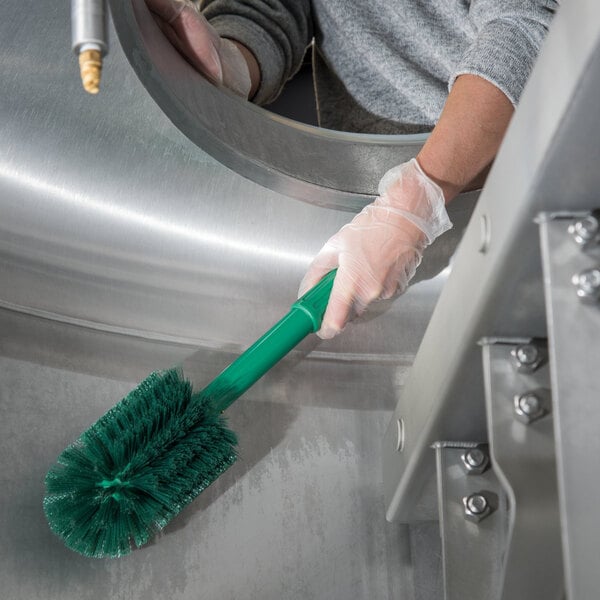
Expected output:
(90, 67)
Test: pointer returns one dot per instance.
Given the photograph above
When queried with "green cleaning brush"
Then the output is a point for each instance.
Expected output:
(132, 471)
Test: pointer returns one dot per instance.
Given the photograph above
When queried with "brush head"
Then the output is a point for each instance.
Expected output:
(132, 471)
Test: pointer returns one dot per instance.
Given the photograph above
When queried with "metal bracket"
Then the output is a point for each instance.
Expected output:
(522, 453)
(570, 257)
(473, 523)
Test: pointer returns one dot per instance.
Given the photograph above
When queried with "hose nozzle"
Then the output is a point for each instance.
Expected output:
(89, 40)
(90, 67)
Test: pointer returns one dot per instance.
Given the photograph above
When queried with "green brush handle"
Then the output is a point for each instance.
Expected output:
(304, 317)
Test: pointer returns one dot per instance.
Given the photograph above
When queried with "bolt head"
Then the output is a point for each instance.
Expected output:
(476, 507)
(475, 461)
(587, 284)
(584, 230)
(529, 404)
(526, 357)
(529, 407)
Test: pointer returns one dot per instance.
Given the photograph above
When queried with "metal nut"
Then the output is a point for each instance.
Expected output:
(529, 407)
(587, 284)
(476, 507)
(526, 357)
(585, 231)
(475, 461)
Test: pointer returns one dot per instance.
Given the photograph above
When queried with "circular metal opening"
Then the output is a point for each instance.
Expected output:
(290, 157)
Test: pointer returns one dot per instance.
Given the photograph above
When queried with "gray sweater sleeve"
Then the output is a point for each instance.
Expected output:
(276, 31)
(508, 37)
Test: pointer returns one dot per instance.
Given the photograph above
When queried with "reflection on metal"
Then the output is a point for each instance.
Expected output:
(574, 337)
(524, 461)
(400, 433)
(473, 517)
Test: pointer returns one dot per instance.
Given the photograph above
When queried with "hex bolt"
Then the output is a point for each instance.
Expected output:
(475, 461)
(587, 284)
(527, 354)
(526, 357)
(477, 504)
(584, 230)
(529, 407)
(476, 507)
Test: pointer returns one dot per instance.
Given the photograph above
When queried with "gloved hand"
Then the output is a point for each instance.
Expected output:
(378, 253)
(219, 59)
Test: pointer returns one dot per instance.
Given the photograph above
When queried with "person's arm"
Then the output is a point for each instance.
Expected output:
(379, 251)
(251, 48)
(253, 68)
(463, 144)
(275, 33)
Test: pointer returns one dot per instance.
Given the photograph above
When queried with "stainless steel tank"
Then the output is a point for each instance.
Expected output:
(125, 247)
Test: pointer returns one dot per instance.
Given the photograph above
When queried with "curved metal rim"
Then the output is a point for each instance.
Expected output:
(346, 183)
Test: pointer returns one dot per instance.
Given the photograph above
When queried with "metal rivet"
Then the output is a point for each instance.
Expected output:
(587, 284)
(476, 507)
(400, 435)
(585, 230)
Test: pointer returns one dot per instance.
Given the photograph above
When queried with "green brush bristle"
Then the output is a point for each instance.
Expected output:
(130, 473)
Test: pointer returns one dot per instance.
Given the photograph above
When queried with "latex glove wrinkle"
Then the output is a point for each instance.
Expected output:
(378, 252)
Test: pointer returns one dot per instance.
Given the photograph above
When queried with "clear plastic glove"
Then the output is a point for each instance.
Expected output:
(219, 59)
(378, 253)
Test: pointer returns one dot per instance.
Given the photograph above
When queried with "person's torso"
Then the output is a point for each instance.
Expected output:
(383, 66)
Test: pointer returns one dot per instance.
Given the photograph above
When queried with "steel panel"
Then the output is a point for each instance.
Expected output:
(573, 330)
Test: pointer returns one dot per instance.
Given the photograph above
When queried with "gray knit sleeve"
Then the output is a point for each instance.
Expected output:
(276, 31)
(508, 36)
